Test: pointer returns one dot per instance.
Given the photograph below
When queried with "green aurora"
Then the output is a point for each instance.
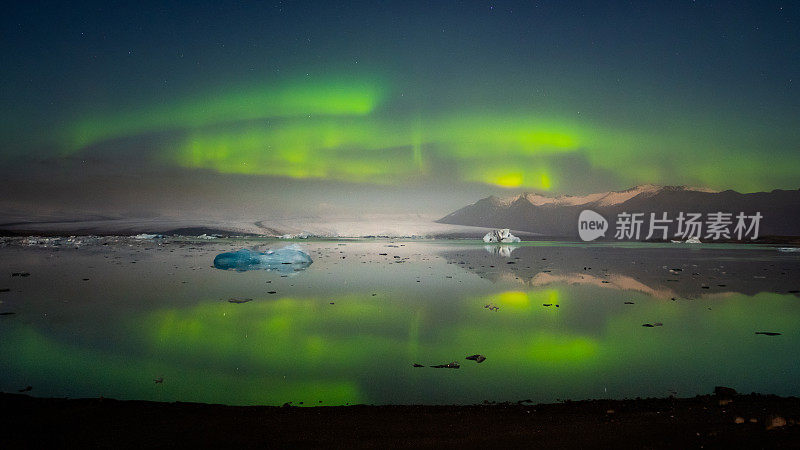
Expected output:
(346, 130)
(440, 102)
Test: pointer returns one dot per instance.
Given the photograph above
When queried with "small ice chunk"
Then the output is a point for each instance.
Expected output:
(691, 240)
(143, 236)
(502, 235)
(287, 259)
(789, 249)
(300, 235)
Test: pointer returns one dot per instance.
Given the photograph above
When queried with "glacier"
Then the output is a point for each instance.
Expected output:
(287, 259)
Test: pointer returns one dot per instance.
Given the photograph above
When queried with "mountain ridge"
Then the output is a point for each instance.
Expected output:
(558, 216)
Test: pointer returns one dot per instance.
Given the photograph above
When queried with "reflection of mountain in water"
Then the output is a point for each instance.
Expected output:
(678, 272)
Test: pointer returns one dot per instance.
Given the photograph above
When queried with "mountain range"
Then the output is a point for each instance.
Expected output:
(558, 216)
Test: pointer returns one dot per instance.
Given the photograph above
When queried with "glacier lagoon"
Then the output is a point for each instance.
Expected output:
(151, 319)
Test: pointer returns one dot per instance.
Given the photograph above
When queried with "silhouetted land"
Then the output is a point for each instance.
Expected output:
(705, 421)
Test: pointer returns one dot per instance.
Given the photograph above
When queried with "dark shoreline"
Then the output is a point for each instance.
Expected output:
(703, 421)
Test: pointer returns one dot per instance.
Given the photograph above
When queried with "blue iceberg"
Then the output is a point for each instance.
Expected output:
(287, 259)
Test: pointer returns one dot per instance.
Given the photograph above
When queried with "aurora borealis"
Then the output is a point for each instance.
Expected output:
(312, 102)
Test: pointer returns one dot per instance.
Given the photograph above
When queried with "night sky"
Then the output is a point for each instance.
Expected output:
(337, 108)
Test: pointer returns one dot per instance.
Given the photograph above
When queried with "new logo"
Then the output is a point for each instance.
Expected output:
(591, 225)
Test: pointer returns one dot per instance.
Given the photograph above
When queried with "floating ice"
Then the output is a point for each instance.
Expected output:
(691, 240)
(287, 259)
(503, 235)
(70, 241)
(300, 235)
(143, 236)
(789, 249)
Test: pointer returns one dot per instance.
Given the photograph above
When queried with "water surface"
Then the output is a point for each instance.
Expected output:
(564, 321)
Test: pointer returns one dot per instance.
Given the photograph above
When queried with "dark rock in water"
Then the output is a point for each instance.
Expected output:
(492, 307)
(418, 365)
(477, 358)
(648, 325)
(654, 324)
(7, 313)
(20, 274)
(547, 304)
(25, 389)
(629, 303)
(452, 365)
(5, 289)
(272, 292)
(159, 380)
(768, 333)
(722, 391)
(239, 300)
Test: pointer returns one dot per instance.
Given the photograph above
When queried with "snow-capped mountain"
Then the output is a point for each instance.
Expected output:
(558, 216)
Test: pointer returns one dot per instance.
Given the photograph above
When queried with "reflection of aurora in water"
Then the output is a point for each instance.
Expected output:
(297, 346)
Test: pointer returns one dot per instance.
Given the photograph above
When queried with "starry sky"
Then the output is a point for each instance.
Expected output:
(308, 107)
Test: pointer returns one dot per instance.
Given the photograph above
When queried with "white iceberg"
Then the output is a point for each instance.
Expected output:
(691, 240)
(502, 235)
(144, 236)
(300, 235)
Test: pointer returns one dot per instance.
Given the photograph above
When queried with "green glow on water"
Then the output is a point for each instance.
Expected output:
(360, 349)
